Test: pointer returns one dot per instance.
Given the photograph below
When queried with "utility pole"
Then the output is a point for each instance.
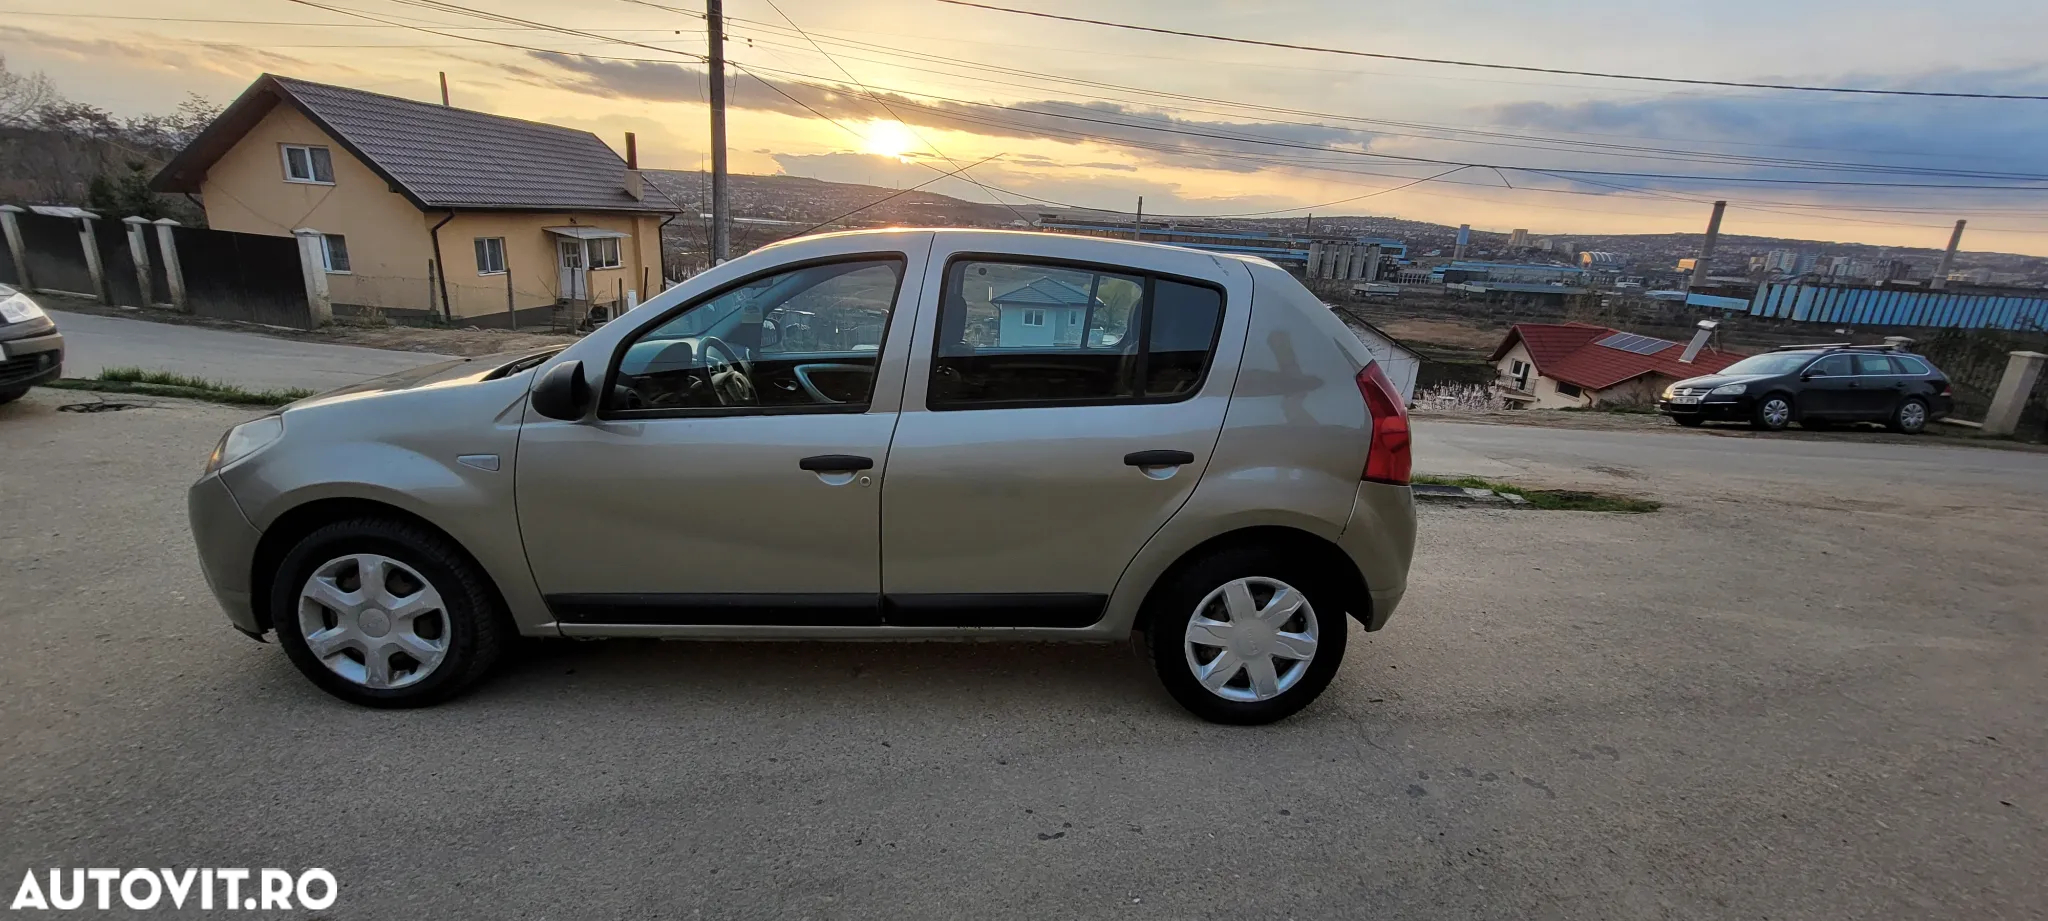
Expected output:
(444, 87)
(1138, 226)
(721, 202)
(1948, 259)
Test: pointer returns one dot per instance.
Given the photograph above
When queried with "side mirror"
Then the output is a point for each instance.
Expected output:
(771, 333)
(562, 393)
(1807, 376)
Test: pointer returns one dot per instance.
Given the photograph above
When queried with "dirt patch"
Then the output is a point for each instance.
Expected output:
(464, 342)
(1450, 333)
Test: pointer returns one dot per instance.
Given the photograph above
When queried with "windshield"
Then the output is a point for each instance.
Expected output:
(1770, 363)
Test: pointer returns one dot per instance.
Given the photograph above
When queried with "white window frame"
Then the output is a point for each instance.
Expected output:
(596, 255)
(1032, 316)
(488, 244)
(284, 153)
(327, 241)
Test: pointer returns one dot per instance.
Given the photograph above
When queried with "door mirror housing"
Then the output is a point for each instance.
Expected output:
(562, 393)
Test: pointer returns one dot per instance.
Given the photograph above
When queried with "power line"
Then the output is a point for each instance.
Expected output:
(892, 112)
(902, 192)
(1519, 67)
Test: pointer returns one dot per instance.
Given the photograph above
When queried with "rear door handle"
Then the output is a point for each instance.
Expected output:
(1158, 458)
(836, 463)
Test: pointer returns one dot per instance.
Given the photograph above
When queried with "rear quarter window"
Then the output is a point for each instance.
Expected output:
(1912, 365)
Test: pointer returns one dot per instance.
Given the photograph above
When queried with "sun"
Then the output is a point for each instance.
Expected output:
(888, 139)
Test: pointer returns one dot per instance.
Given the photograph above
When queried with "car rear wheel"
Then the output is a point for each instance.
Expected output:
(1773, 413)
(386, 614)
(1246, 636)
(1910, 418)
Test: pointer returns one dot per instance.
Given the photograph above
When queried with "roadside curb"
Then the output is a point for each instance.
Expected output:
(1437, 493)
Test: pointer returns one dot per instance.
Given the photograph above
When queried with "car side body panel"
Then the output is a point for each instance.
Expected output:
(424, 423)
(1293, 443)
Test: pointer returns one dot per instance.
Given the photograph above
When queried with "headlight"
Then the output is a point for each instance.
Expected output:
(1729, 389)
(244, 440)
(15, 307)
(1668, 394)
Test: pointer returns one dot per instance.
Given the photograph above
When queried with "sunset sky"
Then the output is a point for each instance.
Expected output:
(1075, 110)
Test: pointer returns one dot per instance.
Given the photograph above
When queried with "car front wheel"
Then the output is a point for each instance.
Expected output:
(1246, 636)
(386, 614)
(1773, 413)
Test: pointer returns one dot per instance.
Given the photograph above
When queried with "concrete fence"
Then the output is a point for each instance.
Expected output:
(135, 262)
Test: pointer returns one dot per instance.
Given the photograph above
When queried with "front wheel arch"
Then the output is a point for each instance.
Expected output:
(294, 525)
(1318, 551)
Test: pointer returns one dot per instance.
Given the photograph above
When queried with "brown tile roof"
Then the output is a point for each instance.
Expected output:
(1572, 353)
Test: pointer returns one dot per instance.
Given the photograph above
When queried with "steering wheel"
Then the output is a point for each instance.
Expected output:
(726, 373)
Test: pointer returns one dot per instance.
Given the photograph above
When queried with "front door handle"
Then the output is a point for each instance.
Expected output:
(1158, 458)
(836, 463)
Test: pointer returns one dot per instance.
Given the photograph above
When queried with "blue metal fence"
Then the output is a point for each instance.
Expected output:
(1898, 307)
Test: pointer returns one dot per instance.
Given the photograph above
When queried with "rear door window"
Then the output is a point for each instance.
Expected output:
(1016, 334)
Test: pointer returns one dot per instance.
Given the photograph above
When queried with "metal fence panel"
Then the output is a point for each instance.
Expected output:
(56, 256)
(243, 276)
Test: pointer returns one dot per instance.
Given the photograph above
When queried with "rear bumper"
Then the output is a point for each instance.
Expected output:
(31, 360)
(1380, 540)
(227, 548)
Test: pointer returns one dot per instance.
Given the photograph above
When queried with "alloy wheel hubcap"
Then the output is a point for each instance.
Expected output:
(373, 620)
(1251, 639)
(1776, 412)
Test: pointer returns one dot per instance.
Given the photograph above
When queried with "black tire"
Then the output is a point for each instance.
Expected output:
(9, 396)
(1173, 605)
(477, 628)
(1767, 417)
(1691, 422)
(1909, 417)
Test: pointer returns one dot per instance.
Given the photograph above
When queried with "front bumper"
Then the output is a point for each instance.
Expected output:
(1718, 409)
(227, 548)
(31, 360)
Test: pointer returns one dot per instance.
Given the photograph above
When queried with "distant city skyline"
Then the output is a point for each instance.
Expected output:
(1095, 117)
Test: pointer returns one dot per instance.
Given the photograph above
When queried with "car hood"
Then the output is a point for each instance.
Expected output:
(454, 372)
(1717, 380)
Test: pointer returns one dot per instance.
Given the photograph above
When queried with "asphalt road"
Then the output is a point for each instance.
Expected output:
(93, 343)
(1812, 687)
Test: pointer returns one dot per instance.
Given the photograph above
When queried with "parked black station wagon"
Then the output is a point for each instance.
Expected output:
(1816, 386)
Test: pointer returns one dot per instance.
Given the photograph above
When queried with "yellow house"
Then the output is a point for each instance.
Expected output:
(418, 209)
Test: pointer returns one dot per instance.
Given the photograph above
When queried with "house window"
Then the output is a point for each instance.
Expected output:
(604, 253)
(1073, 317)
(1570, 390)
(490, 255)
(1517, 368)
(1034, 318)
(308, 164)
(334, 253)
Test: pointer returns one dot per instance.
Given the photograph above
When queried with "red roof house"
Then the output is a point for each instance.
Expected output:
(1557, 365)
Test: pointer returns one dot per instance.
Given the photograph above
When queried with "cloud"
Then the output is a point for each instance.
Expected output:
(1950, 134)
(1215, 145)
(1072, 188)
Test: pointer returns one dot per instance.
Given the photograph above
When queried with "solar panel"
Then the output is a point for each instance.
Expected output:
(1641, 345)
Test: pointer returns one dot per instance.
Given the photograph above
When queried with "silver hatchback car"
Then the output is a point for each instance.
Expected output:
(901, 434)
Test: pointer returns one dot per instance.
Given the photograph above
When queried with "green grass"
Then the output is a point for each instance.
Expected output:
(1556, 500)
(167, 384)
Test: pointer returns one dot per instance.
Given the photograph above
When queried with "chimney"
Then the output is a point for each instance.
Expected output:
(1699, 341)
(635, 185)
(1699, 269)
(1948, 259)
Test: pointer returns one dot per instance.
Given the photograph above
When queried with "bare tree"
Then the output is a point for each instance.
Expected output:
(23, 96)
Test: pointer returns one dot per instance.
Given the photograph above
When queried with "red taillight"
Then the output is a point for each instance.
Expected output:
(1946, 390)
(1388, 460)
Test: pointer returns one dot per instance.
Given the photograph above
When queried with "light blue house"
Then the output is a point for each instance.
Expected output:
(1041, 312)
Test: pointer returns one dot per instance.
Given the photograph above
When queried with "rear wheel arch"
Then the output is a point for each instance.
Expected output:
(288, 529)
(1317, 551)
